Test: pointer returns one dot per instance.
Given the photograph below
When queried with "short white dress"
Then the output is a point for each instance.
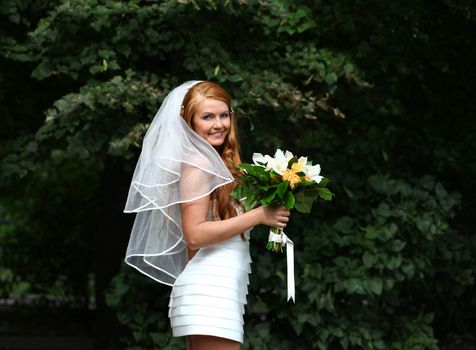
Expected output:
(209, 296)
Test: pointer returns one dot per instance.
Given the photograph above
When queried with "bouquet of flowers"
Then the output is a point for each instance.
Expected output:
(283, 179)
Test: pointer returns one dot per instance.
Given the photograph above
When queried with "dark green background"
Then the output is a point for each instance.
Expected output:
(380, 93)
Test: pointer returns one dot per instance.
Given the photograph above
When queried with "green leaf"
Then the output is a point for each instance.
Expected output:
(282, 188)
(305, 199)
(383, 210)
(266, 201)
(249, 202)
(371, 232)
(325, 194)
(375, 286)
(292, 161)
(344, 225)
(393, 262)
(397, 245)
(250, 169)
(369, 259)
(156, 337)
(289, 200)
(323, 183)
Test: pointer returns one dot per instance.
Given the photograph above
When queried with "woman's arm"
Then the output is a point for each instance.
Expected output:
(200, 232)
(197, 228)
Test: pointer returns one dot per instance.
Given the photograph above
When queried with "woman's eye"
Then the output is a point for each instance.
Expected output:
(207, 117)
(225, 115)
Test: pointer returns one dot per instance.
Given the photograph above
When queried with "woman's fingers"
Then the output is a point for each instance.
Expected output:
(283, 216)
(276, 216)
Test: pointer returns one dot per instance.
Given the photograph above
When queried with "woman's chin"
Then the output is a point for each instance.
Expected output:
(216, 142)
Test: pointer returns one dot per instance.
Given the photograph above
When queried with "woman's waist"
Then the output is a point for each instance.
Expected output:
(234, 244)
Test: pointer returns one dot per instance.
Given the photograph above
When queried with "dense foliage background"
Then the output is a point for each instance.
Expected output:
(378, 92)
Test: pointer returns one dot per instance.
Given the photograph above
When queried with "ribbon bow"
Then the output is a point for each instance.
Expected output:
(282, 238)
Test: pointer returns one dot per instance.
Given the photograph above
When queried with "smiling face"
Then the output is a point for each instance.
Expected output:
(212, 121)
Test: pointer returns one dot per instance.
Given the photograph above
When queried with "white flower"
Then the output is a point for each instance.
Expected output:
(259, 159)
(303, 162)
(313, 172)
(280, 161)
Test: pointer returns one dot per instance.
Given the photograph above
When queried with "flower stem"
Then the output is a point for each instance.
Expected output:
(275, 246)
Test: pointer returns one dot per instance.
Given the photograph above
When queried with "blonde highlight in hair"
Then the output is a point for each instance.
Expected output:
(229, 151)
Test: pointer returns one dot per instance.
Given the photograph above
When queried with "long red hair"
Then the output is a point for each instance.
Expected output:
(229, 151)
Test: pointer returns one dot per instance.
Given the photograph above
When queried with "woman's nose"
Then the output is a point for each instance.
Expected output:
(218, 123)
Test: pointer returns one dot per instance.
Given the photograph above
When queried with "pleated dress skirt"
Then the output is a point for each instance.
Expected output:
(209, 296)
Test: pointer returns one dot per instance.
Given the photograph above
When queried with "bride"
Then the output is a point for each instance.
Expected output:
(189, 233)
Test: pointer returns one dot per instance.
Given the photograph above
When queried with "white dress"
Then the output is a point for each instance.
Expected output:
(209, 296)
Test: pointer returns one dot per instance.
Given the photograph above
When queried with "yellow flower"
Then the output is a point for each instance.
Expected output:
(291, 176)
(287, 175)
(297, 167)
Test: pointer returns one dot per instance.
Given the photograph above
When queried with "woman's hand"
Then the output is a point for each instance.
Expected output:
(274, 216)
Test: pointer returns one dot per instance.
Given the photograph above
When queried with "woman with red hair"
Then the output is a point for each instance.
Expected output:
(189, 233)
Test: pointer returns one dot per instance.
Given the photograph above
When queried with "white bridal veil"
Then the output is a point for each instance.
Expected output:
(176, 165)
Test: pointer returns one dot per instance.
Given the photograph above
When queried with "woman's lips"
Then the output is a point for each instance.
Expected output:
(217, 134)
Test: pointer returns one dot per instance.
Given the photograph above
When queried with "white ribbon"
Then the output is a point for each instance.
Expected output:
(282, 238)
